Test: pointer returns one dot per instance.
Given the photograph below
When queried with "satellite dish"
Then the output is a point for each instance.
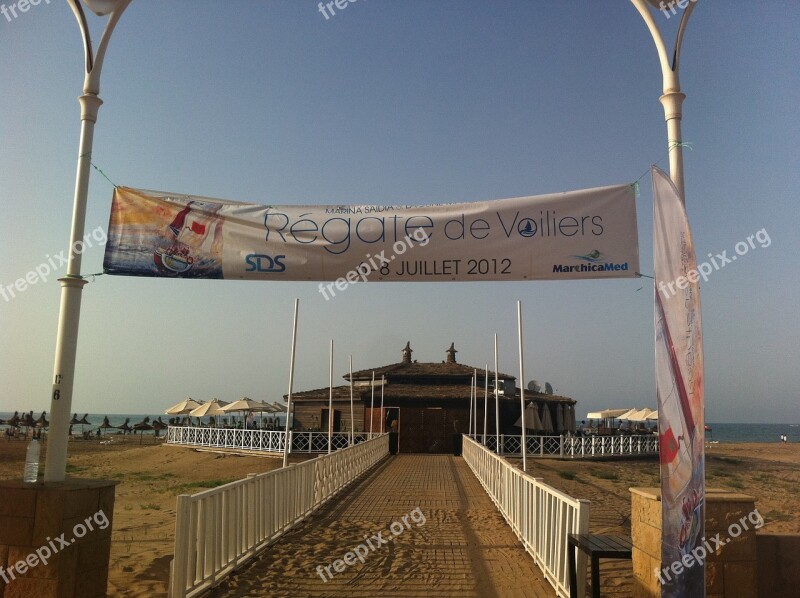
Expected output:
(548, 389)
(534, 386)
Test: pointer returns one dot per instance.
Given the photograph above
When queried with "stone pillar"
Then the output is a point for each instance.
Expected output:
(646, 540)
(55, 538)
(731, 571)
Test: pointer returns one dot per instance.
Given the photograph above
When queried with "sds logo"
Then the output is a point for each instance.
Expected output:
(259, 262)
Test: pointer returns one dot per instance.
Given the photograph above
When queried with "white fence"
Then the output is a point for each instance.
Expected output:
(540, 515)
(220, 529)
(261, 440)
(317, 442)
(573, 446)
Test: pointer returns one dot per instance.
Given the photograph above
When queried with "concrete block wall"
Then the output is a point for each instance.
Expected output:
(646, 540)
(731, 570)
(36, 559)
(778, 565)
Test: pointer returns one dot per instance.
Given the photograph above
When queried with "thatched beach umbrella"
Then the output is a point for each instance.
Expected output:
(106, 425)
(27, 420)
(158, 425)
(143, 425)
(13, 422)
(126, 429)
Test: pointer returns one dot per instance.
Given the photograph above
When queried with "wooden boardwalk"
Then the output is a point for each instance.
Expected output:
(463, 547)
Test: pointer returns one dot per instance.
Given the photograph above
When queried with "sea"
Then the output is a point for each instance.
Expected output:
(95, 420)
(753, 432)
(723, 433)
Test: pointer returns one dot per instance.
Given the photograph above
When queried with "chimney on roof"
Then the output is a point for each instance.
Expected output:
(451, 353)
(407, 353)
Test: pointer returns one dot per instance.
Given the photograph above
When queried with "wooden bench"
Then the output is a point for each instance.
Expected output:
(596, 547)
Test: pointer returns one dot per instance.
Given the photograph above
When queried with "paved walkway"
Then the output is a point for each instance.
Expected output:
(456, 544)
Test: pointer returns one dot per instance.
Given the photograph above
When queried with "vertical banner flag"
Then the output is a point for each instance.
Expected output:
(679, 378)
(589, 233)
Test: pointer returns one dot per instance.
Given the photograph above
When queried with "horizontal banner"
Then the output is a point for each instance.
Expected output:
(580, 234)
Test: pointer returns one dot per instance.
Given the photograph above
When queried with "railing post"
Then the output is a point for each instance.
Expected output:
(582, 520)
(561, 445)
(177, 586)
(537, 521)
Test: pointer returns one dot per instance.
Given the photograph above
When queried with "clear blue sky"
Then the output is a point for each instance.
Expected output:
(401, 102)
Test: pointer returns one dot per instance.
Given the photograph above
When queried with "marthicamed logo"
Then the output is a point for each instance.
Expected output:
(593, 261)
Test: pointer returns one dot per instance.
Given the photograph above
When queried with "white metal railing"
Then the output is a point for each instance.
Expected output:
(573, 446)
(218, 530)
(540, 515)
(261, 440)
(317, 442)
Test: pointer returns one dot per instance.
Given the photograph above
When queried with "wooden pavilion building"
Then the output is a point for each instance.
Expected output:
(427, 403)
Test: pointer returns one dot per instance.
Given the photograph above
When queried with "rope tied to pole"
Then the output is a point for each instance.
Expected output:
(105, 176)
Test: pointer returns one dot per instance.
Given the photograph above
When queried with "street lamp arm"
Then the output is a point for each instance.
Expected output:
(94, 60)
(84, 27)
(658, 39)
(681, 30)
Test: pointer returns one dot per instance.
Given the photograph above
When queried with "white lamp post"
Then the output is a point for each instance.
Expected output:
(72, 283)
(672, 100)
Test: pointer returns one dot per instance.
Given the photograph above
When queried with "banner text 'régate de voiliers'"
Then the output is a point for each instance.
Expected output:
(580, 234)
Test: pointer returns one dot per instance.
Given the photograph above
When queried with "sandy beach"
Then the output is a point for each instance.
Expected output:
(152, 475)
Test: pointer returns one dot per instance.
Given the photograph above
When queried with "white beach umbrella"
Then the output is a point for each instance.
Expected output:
(547, 420)
(560, 417)
(212, 407)
(270, 408)
(246, 404)
(606, 413)
(640, 416)
(183, 408)
(652, 416)
(532, 421)
(627, 414)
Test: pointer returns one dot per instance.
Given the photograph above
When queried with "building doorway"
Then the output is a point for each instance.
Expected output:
(337, 420)
(426, 430)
